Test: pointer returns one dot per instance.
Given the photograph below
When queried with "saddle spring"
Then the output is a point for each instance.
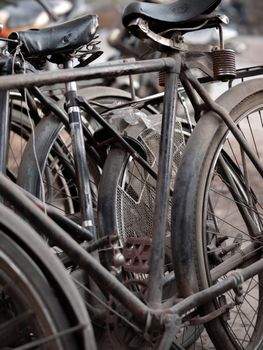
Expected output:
(224, 61)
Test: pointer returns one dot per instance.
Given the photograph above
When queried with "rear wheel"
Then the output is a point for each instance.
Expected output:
(217, 216)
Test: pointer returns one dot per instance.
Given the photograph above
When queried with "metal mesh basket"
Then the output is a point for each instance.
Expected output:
(136, 193)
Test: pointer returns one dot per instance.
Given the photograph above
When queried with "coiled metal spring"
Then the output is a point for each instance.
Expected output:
(224, 64)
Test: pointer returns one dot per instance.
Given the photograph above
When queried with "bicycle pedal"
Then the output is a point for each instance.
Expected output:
(137, 254)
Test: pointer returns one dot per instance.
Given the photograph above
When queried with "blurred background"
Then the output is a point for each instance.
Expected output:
(246, 15)
(243, 34)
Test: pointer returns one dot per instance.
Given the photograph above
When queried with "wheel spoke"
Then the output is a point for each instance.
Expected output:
(16, 326)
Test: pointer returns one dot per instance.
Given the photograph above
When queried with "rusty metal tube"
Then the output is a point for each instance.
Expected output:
(75, 74)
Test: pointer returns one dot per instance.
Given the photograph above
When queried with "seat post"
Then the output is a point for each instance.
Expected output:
(79, 153)
(155, 285)
(5, 69)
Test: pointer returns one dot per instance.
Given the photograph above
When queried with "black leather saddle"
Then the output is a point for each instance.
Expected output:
(179, 14)
(55, 40)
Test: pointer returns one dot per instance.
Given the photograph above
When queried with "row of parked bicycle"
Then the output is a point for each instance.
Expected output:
(130, 218)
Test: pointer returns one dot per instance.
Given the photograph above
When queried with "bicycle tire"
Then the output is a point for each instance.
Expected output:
(38, 299)
(208, 224)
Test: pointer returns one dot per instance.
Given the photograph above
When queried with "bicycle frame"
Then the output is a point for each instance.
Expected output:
(6, 68)
(152, 315)
(148, 318)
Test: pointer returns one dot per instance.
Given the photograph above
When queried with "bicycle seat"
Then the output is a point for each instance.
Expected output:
(55, 40)
(178, 14)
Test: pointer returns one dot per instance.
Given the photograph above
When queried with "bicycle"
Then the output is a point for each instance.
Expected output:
(172, 67)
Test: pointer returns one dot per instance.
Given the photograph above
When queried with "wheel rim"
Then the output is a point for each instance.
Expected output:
(228, 229)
